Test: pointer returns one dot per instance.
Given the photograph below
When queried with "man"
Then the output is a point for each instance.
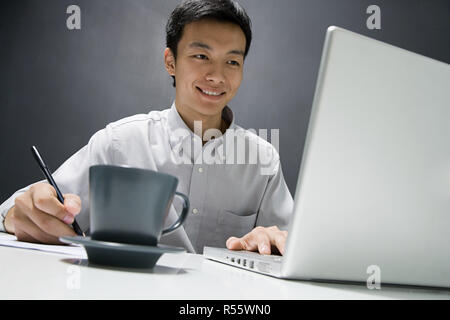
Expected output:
(244, 206)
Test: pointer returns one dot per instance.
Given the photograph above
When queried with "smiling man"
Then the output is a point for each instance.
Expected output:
(208, 69)
(243, 205)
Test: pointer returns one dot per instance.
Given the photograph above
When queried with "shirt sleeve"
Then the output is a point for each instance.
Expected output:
(277, 204)
(73, 175)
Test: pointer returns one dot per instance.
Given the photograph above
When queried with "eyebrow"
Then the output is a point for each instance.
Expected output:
(202, 45)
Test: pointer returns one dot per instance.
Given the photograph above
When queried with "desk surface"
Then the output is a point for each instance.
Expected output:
(27, 274)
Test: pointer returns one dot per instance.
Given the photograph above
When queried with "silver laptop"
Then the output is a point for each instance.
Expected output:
(373, 192)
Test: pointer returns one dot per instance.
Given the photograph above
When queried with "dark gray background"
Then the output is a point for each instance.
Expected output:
(58, 87)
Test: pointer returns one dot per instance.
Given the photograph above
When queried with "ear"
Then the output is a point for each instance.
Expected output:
(169, 61)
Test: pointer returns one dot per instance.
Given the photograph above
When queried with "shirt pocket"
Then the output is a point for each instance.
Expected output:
(232, 224)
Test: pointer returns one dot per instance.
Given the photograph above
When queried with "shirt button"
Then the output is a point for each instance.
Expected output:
(195, 211)
(200, 169)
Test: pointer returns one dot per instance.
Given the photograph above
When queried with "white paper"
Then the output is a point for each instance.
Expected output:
(73, 250)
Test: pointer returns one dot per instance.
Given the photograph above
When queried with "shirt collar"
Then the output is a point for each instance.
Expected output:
(179, 131)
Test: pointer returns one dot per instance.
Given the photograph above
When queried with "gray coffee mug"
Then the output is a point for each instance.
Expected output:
(130, 205)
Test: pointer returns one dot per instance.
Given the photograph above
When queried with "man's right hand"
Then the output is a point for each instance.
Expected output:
(38, 216)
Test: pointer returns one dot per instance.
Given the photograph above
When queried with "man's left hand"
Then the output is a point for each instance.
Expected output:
(263, 240)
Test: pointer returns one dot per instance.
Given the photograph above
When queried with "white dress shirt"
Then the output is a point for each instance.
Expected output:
(228, 197)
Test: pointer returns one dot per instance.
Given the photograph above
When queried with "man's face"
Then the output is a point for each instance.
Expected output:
(210, 58)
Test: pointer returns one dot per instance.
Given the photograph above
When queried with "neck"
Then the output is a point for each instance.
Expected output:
(207, 121)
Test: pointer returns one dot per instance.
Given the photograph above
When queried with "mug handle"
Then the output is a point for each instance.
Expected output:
(182, 217)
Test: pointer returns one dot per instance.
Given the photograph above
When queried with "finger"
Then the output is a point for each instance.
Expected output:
(279, 241)
(50, 224)
(27, 231)
(44, 199)
(234, 243)
(277, 238)
(72, 203)
(249, 242)
(263, 240)
(47, 223)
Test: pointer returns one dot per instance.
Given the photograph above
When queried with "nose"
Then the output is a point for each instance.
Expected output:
(215, 74)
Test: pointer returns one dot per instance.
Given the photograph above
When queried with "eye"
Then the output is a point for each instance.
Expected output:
(234, 63)
(200, 56)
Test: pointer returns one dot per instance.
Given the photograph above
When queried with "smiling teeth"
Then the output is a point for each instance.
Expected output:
(211, 93)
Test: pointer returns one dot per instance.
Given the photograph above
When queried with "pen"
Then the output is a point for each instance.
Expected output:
(50, 180)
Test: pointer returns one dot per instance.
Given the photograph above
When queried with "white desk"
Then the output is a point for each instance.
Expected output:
(27, 274)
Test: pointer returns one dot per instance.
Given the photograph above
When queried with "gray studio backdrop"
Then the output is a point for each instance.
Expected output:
(59, 86)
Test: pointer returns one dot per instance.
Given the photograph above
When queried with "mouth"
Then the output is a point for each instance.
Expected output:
(211, 94)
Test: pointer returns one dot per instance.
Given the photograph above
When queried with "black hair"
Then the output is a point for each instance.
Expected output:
(194, 10)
